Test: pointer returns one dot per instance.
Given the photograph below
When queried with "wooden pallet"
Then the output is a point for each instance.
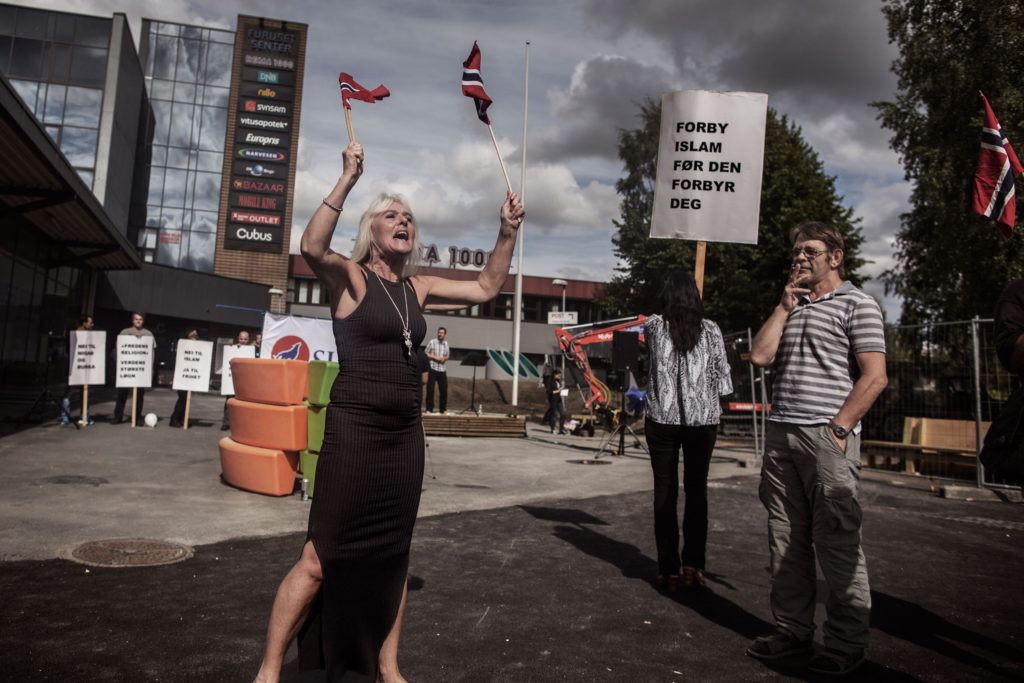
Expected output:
(469, 424)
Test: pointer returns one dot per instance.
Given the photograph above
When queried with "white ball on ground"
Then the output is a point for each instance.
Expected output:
(151, 419)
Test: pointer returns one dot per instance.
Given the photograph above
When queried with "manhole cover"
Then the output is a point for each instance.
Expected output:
(130, 552)
(590, 462)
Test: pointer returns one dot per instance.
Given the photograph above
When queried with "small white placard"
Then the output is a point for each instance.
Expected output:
(227, 385)
(134, 361)
(563, 317)
(88, 357)
(192, 362)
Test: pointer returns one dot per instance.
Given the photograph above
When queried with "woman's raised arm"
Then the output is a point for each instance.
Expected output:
(329, 265)
(442, 293)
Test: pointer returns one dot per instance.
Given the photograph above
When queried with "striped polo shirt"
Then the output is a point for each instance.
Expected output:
(815, 365)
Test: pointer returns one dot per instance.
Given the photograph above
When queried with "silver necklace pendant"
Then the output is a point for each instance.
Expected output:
(406, 333)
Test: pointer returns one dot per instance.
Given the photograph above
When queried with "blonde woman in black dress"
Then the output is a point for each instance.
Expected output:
(345, 597)
(688, 372)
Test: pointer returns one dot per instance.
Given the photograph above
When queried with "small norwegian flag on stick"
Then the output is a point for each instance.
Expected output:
(993, 181)
(473, 86)
(352, 90)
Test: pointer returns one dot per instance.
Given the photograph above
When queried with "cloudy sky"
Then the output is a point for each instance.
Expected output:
(590, 63)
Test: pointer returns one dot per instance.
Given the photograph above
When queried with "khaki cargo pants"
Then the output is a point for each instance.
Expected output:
(810, 488)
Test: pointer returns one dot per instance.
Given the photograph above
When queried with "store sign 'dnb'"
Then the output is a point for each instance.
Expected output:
(268, 76)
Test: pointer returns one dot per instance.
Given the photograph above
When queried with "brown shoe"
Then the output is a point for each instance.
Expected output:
(669, 583)
(694, 577)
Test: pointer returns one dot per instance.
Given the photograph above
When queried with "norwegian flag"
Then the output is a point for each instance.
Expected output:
(351, 89)
(473, 84)
(993, 181)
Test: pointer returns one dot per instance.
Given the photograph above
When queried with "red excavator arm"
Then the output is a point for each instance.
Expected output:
(571, 341)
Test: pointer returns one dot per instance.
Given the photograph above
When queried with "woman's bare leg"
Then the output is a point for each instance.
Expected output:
(291, 607)
(387, 660)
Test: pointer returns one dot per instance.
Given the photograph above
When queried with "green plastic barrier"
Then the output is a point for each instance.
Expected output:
(315, 426)
(321, 377)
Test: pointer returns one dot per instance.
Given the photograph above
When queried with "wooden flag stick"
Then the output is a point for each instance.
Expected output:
(348, 124)
(500, 160)
(135, 398)
(698, 270)
(188, 405)
(85, 404)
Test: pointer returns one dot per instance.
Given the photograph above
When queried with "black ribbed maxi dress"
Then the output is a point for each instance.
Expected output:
(368, 482)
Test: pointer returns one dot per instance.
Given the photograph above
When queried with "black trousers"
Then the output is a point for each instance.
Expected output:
(697, 444)
(556, 413)
(123, 394)
(441, 379)
(178, 414)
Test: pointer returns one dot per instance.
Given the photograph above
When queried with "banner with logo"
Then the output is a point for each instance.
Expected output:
(192, 365)
(88, 361)
(134, 361)
(227, 384)
(290, 337)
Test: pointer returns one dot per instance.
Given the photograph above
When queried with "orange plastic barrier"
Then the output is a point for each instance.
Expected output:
(269, 380)
(268, 426)
(262, 470)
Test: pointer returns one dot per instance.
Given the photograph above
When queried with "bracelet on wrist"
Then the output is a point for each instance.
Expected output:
(331, 206)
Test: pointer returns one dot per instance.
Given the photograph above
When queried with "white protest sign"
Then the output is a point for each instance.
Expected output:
(192, 362)
(134, 361)
(710, 155)
(227, 385)
(88, 360)
(295, 338)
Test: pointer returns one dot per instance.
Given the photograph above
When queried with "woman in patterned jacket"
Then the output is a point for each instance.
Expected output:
(688, 373)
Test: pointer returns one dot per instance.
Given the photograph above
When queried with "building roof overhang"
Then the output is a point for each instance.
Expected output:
(39, 186)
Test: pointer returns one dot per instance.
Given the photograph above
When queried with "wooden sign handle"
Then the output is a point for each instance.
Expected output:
(698, 270)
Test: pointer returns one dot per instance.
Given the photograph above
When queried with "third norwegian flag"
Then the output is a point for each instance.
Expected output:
(993, 181)
(473, 84)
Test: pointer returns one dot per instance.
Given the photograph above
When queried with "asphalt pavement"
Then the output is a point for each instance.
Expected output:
(527, 565)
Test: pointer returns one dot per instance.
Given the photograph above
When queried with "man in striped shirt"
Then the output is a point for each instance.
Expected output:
(826, 341)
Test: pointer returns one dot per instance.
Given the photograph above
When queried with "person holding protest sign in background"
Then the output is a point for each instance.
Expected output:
(85, 323)
(225, 421)
(178, 414)
(349, 585)
(136, 330)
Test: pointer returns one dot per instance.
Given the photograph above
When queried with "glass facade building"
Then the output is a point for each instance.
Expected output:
(57, 63)
(188, 77)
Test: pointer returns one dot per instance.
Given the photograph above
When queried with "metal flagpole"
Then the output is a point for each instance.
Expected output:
(517, 305)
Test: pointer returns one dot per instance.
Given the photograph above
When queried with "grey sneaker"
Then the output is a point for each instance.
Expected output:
(778, 644)
(835, 663)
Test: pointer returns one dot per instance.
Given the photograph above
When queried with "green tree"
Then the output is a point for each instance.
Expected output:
(951, 262)
(741, 282)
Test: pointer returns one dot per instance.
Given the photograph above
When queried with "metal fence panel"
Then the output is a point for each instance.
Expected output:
(945, 386)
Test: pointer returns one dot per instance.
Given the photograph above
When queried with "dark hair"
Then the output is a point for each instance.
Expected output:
(442, 328)
(84, 319)
(140, 314)
(829, 234)
(681, 309)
